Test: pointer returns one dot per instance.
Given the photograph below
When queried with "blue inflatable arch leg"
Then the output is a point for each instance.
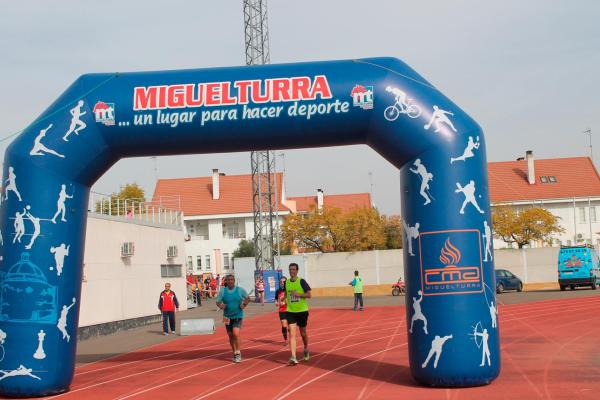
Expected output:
(101, 118)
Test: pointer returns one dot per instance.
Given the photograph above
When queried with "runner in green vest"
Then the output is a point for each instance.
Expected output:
(297, 291)
(358, 291)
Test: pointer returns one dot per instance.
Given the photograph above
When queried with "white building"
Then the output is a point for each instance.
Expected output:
(567, 187)
(218, 214)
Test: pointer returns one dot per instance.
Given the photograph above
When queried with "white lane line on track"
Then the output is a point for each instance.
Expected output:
(254, 358)
(284, 366)
(340, 367)
(196, 348)
(330, 322)
(180, 363)
(374, 370)
(314, 364)
(538, 314)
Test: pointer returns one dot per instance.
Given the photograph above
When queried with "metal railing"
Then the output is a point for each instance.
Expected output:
(134, 210)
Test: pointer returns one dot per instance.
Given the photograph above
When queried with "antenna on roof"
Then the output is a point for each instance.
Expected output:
(588, 131)
(153, 158)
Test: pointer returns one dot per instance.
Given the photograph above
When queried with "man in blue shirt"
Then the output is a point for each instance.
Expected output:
(232, 300)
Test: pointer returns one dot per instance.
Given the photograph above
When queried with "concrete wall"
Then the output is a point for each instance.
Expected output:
(329, 273)
(116, 288)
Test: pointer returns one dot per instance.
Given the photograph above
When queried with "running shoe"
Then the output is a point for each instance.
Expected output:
(306, 355)
(165, 333)
(293, 361)
(237, 358)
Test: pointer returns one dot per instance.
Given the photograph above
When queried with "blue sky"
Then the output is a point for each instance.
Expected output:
(527, 71)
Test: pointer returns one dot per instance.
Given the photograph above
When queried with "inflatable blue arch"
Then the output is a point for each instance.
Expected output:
(453, 338)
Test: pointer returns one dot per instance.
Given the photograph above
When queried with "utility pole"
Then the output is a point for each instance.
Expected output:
(264, 178)
(588, 132)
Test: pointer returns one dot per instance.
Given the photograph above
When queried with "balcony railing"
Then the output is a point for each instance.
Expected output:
(235, 235)
(134, 210)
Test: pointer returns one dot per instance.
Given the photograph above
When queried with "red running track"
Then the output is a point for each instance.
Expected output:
(550, 349)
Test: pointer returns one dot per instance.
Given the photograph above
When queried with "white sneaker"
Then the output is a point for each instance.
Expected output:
(293, 361)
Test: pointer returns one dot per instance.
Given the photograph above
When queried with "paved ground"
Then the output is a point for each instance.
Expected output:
(99, 348)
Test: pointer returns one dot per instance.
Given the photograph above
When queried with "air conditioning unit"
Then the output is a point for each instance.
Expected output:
(172, 252)
(127, 249)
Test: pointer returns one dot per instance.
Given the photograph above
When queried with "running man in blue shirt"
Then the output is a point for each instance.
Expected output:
(232, 300)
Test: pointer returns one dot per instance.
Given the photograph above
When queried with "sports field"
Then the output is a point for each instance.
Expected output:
(549, 347)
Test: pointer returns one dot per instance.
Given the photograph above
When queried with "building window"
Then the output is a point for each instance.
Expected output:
(190, 263)
(593, 214)
(207, 262)
(226, 260)
(543, 179)
(552, 179)
(199, 262)
(170, 271)
(582, 215)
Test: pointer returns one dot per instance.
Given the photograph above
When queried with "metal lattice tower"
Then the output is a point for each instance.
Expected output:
(264, 180)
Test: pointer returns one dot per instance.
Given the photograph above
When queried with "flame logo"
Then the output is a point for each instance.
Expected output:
(449, 254)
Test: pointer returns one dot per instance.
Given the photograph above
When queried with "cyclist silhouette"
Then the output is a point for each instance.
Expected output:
(402, 105)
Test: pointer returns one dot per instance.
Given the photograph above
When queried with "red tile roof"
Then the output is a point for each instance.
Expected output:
(196, 194)
(344, 202)
(575, 177)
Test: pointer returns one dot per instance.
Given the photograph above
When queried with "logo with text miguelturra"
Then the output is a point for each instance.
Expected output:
(451, 262)
(362, 96)
(105, 113)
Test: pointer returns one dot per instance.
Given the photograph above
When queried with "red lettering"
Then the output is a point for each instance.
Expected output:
(257, 96)
(176, 96)
(320, 87)
(162, 96)
(281, 89)
(226, 96)
(189, 95)
(300, 88)
(213, 94)
(144, 98)
(242, 87)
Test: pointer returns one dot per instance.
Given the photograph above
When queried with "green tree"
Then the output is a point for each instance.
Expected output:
(245, 249)
(330, 230)
(392, 226)
(128, 198)
(523, 227)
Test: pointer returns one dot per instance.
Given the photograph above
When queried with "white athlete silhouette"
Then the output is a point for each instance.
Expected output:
(77, 124)
(436, 348)
(39, 149)
(59, 256)
(402, 105)
(468, 153)
(21, 371)
(12, 184)
(487, 236)
(410, 232)
(36, 227)
(60, 204)
(418, 315)
(486, 349)
(469, 191)
(2, 336)
(62, 321)
(1, 239)
(39, 353)
(438, 117)
(425, 178)
(19, 226)
(401, 98)
(494, 314)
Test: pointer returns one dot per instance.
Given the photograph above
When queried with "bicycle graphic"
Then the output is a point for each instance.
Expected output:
(402, 105)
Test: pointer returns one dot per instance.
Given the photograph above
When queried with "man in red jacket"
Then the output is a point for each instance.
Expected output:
(167, 303)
